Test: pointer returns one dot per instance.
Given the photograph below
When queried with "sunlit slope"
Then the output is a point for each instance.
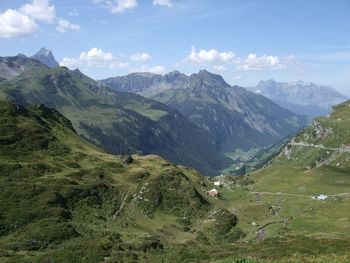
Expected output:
(64, 199)
(280, 199)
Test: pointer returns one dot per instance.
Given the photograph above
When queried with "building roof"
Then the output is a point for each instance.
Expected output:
(321, 197)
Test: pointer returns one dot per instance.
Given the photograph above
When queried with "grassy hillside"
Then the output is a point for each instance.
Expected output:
(62, 199)
(120, 122)
(278, 213)
(279, 201)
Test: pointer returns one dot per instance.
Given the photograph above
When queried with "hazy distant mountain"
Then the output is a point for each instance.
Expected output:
(120, 122)
(46, 57)
(235, 117)
(303, 98)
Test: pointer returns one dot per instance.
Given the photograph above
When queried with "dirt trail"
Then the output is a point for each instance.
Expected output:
(279, 193)
(298, 195)
(341, 149)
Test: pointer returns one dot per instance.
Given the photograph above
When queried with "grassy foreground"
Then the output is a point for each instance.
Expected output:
(65, 200)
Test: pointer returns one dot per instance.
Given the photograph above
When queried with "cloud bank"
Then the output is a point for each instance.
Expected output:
(219, 60)
(24, 21)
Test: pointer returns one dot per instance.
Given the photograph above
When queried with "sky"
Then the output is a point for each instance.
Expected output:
(243, 40)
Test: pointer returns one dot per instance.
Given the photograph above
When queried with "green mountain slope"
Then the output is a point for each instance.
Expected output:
(64, 200)
(119, 122)
(235, 117)
(302, 193)
(11, 67)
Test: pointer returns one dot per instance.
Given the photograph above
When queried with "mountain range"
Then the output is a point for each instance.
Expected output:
(308, 99)
(65, 200)
(234, 117)
(120, 122)
(189, 120)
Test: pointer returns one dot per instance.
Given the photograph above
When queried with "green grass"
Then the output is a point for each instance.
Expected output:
(63, 199)
(58, 191)
(251, 160)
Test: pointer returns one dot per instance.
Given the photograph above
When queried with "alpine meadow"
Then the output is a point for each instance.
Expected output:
(174, 131)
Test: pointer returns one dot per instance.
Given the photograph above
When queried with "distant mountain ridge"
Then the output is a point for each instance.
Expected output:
(304, 98)
(235, 117)
(120, 122)
(46, 57)
(147, 84)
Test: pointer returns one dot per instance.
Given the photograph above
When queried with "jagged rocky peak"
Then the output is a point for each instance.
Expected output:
(46, 57)
(211, 78)
(176, 77)
(175, 72)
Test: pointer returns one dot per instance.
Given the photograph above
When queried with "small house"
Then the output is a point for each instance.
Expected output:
(213, 193)
(217, 183)
(320, 197)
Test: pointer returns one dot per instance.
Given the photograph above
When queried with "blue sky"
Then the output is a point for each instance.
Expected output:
(245, 41)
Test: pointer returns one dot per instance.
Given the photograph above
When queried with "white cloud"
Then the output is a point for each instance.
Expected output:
(154, 69)
(39, 10)
(219, 60)
(162, 3)
(95, 57)
(64, 25)
(212, 57)
(253, 62)
(140, 57)
(71, 63)
(14, 23)
(121, 6)
(117, 6)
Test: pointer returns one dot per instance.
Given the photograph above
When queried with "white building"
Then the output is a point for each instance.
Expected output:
(217, 183)
(320, 197)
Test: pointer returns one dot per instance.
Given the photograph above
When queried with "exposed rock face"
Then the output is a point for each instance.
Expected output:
(321, 132)
(46, 57)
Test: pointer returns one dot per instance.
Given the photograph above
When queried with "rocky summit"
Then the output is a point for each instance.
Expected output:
(46, 57)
